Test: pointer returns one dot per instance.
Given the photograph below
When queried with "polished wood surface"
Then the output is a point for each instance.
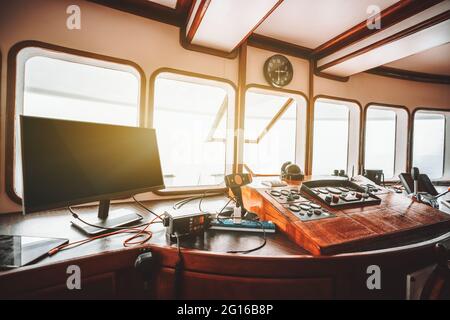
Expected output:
(281, 269)
(398, 220)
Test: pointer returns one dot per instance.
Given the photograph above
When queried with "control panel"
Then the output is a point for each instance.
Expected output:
(301, 207)
(340, 193)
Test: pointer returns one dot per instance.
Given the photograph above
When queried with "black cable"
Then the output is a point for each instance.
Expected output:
(76, 216)
(256, 248)
(147, 209)
(179, 267)
(182, 202)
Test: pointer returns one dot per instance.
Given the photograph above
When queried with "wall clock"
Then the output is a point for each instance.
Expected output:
(278, 71)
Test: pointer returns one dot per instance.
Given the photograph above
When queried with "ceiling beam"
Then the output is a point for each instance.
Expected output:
(151, 10)
(388, 17)
(275, 45)
(204, 10)
(197, 19)
(395, 37)
(410, 75)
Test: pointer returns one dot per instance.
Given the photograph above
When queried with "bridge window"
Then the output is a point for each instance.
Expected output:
(429, 142)
(64, 86)
(336, 136)
(386, 140)
(191, 118)
(274, 130)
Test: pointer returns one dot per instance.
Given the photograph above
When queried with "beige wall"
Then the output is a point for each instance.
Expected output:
(153, 45)
(365, 88)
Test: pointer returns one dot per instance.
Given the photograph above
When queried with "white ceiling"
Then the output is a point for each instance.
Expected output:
(311, 23)
(167, 3)
(227, 22)
(435, 61)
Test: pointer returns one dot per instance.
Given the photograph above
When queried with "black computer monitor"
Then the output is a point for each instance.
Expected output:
(69, 162)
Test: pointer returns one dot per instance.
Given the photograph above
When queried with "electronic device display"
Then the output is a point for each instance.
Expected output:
(18, 251)
(340, 193)
(69, 162)
(185, 224)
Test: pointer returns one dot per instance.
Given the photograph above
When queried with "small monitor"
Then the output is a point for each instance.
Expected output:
(69, 162)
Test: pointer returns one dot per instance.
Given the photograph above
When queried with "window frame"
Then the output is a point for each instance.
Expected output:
(446, 167)
(232, 112)
(12, 94)
(402, 134)
(301, 125)
(354, 131)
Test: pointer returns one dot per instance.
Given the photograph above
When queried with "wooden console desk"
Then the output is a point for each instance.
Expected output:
(398, 220)
(280, 270)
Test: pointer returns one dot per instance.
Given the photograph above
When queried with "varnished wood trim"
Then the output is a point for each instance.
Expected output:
(330, 76)
(395, 37)
(389, 17)
(361, 111)
(11, 99)
(363, 129)
(193, 47)
(258, 24)
(151, 10)
(151, 103)
(274, 45)
(240, 108)
(186, 40)
(309, 119)
(199, 14)
(410, 75)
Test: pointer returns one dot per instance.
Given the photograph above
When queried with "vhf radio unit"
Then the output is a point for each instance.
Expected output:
(183, 225)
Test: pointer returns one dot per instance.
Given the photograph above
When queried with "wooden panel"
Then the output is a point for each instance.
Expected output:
(200, 286)
(398, 219)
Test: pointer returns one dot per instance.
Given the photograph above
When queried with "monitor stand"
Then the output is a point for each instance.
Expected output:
(117, 218)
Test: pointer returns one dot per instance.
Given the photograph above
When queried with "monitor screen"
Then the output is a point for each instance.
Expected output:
(69, 162)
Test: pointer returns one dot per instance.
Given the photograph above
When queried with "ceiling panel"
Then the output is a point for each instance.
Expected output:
(167, 3)
(227, 22)
(434, 61)
(431, 37)
(311, 23)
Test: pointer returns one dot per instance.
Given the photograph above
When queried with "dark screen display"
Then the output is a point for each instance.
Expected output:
(70, 162)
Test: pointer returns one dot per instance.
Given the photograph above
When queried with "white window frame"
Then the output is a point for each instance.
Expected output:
(300, 141)
(27, 53)
(401, 137)
(446, 169)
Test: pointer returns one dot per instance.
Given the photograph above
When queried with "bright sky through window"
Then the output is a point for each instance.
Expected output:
(429, 143)
(331, 127)
(380, 140)
(55, 88)
(190, 121)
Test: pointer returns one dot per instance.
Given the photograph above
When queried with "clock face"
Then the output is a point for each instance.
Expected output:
(278, 71)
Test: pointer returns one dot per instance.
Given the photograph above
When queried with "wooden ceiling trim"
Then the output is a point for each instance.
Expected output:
(271, 44)
(151, 10)
(199, 14)
(390, 16)
(410, 75)
(395, 37)
(258, 24)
